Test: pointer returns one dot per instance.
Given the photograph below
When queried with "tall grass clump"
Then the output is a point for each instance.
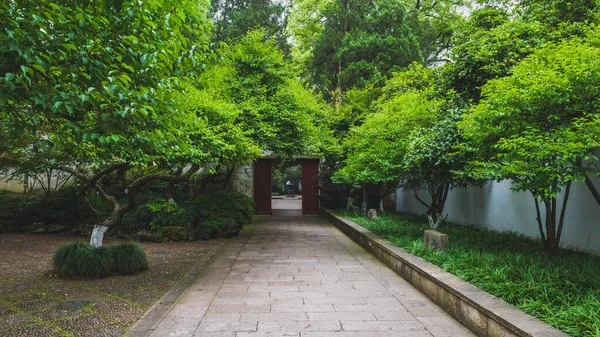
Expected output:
(80, 259)
(562, 289)
(129, 258)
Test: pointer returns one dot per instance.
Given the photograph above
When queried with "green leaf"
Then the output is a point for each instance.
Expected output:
(69, 46)
(39, 68)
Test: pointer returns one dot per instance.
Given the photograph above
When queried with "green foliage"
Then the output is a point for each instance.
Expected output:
(552, 104)
(62, 207)
(487, 46)
(560, 289)
(215, 209)
(79, 259)
(275, 111)
(235, 18)
(169, 213)
(129, 258)
(138, 218)
(361, 45)
(93, 77)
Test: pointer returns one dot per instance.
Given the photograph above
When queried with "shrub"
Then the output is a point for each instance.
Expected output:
(62, 207)
(234, 205)
(12, 205)
(80, 259)
(129, 258)
(169, 213)
(138, 218)
(223, 213)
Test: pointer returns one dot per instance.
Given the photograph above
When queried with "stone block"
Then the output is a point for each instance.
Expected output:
(435, 239)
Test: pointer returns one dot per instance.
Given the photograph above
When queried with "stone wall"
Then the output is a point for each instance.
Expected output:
(243, 180)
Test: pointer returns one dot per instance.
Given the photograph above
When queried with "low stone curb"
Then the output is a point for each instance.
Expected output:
(147, 323)
(480, 312)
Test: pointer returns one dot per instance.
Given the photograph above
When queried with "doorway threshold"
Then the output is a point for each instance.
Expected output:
(287, 212)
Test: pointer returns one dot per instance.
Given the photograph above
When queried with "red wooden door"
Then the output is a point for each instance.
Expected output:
(262, 186)
(310, 186)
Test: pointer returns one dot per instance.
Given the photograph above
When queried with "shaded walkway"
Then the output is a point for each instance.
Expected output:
(300, 276)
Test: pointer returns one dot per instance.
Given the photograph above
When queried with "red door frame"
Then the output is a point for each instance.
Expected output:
(262, 185)
(310, 186)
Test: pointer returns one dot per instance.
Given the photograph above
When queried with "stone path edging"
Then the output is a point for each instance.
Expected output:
(147, 323)
(482, 313)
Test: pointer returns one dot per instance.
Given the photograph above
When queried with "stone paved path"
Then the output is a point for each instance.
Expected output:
(300, 276)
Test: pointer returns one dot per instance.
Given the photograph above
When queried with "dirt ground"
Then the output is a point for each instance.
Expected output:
(34, 302)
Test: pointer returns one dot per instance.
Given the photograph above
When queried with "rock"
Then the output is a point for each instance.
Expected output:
(125, 235)
(85, 231)
(435, 239)
(145, 236)
(37, 228)
(372, 214)
(176, 233)
(56, 228)
(231, 228)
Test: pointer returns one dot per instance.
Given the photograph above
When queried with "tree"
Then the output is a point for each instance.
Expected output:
(540, 126)
(276, 111)
(98, 91)
(411, 141)
(235, 18)
(486, 47)
(354, 43)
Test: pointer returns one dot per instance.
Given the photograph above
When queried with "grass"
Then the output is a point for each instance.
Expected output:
(562, 290)
(79, 259)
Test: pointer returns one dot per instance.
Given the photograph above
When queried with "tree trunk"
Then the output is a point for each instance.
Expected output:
(553, 229)
(98, 235)
(550, 222)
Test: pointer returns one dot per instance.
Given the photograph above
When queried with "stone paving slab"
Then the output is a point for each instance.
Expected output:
(300, 276)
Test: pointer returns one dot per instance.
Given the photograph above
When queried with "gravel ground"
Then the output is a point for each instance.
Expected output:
(34, 302)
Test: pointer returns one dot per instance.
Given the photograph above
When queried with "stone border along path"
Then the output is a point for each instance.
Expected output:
(300, 276)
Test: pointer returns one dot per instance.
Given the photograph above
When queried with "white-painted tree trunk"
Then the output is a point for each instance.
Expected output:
(98, 235)
(435, 224)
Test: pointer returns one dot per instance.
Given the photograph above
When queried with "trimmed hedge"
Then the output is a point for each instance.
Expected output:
(80, 259)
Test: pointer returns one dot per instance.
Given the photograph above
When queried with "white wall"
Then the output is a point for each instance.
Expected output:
(496, 207)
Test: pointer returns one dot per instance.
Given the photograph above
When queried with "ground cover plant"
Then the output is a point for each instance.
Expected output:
(80, 259)
(562, 289)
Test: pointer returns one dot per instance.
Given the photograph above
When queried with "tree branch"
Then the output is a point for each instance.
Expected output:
(539, 218)
(422, 202)
(592, 189)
